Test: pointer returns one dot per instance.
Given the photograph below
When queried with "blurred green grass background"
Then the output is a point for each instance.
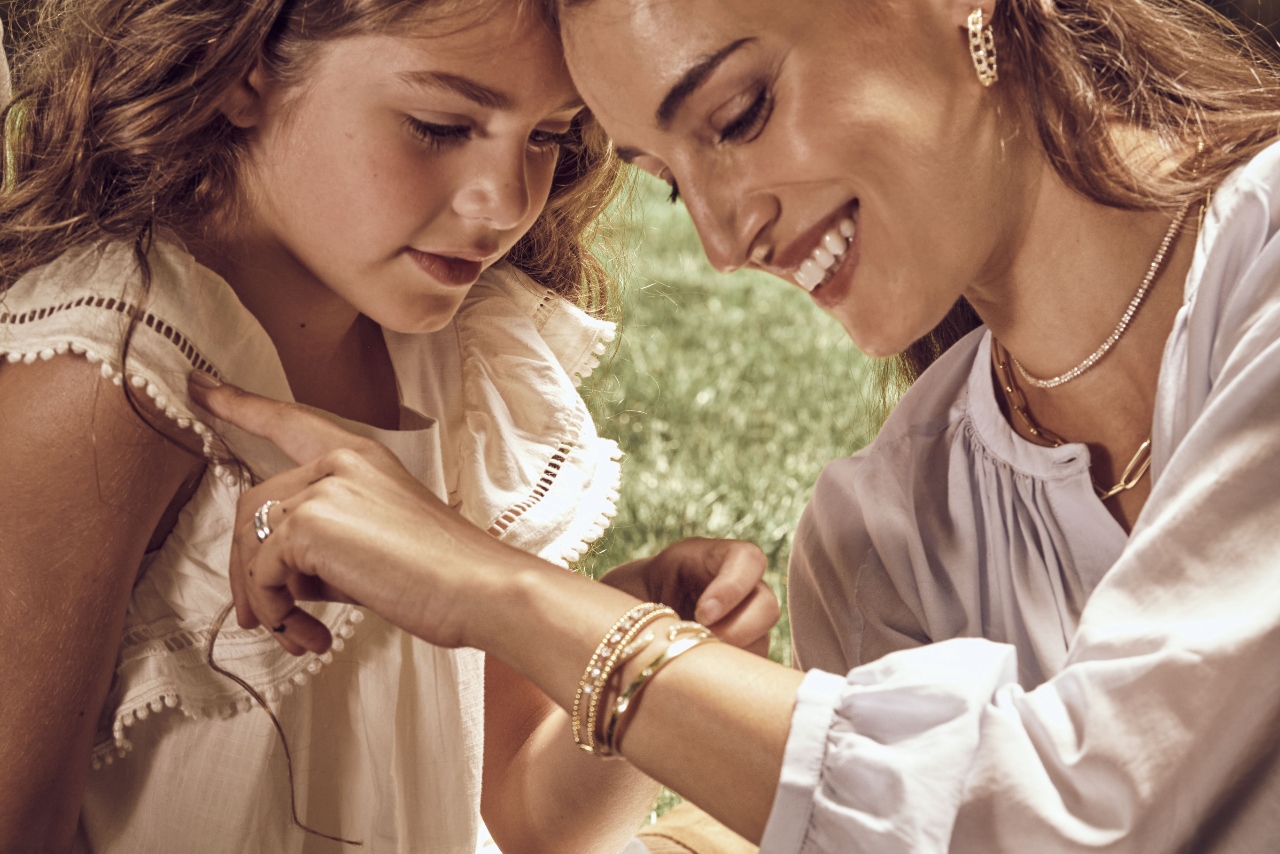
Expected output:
(727, 393)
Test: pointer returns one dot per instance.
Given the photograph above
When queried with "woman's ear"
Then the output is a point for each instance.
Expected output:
(243, 103)
(961, 9)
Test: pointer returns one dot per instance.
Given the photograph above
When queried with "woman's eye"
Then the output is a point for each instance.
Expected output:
(544, 140)
(439, 136)
(750, 122)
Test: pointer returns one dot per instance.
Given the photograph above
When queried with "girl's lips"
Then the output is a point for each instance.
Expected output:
(454, 272)
(833, 291)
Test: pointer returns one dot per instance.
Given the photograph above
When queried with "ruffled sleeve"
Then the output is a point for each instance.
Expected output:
(1158, 733)
(534, 471)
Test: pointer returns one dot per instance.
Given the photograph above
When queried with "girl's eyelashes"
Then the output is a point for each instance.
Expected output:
(675, 191)
(439, 136)
(545, 140)
(750, 123)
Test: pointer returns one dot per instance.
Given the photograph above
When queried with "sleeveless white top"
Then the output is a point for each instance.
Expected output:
(386, 731)
(1017, 674)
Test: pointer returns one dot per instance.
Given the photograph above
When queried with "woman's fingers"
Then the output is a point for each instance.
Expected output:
(303, 435)
(268, 587)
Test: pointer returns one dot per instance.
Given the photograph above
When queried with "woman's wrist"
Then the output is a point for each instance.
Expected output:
(544, 622)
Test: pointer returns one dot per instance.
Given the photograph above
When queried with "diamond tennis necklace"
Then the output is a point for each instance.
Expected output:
(1123, 325)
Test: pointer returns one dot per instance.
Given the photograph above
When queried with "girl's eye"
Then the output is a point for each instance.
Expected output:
(544, 140)
(439, 136)
(675, 191)
(750, 122)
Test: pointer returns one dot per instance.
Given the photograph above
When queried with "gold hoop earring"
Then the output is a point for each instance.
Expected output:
(982, 47)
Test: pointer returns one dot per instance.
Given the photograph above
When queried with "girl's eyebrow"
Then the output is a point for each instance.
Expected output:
(471, 90)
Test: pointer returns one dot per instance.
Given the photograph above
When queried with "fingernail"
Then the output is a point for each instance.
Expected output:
(709, 611)
(204, 379)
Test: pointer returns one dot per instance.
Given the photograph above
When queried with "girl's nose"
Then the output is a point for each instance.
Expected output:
(498, 191)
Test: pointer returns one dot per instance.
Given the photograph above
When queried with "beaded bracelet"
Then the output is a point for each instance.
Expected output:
(602, 650)
(613, 730)
(597, 670)
(625, 646)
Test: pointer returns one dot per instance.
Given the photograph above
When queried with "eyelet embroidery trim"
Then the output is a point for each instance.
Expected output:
(542, 312)
(160, 700)
(609, 503)
(548, 479)
(184, 345)
(210, 443)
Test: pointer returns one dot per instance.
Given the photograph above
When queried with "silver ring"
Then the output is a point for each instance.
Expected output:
(261, 525)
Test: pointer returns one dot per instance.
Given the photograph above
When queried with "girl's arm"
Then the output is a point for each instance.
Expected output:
(541, 793)
(83, 484)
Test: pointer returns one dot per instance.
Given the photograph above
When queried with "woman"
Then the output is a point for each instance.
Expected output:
(1062, 542)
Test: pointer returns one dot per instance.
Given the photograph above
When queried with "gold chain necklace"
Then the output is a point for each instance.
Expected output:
(1133, 473)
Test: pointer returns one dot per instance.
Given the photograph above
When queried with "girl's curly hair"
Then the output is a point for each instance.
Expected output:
(115, 131)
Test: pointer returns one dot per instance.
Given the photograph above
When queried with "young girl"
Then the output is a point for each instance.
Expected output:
(310, 199)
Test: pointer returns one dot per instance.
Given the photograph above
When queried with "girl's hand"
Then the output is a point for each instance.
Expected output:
(719, 583)
(351, 525)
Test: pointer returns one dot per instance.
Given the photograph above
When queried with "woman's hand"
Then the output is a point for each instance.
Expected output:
(351, 525)
(719, 583)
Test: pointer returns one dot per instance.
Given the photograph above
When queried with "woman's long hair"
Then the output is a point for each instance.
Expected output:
(1076, 68)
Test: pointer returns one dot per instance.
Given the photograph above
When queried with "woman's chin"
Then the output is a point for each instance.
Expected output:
(874, 339)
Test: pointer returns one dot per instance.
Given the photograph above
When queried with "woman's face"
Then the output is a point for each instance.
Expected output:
(402, 167)
(781, 122)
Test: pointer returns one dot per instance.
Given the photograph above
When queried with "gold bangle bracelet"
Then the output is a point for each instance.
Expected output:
(621, 641)
(602, 650)
(613, 731)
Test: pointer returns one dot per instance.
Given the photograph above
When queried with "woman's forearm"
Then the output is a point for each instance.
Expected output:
(711, 726)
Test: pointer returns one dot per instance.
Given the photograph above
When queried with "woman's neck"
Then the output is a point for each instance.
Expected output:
(334, 358)
(1061, 293)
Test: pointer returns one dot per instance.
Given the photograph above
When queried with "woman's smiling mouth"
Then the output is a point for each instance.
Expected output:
(822, 261)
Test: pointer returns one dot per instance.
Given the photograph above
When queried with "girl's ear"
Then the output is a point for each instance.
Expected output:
(243, 103)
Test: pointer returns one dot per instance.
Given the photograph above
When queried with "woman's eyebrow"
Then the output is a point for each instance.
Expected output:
(692, 80)
(467, 88)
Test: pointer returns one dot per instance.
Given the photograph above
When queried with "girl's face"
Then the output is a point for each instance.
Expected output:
(402, 167)
(778, 122)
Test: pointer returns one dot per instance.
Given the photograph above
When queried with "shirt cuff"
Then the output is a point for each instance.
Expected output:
(802, 762)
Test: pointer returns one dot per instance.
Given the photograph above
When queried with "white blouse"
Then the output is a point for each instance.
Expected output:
(386, 731)
(1026, 678)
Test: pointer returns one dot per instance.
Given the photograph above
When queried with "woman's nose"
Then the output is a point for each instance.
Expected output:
(497, 191)
(728, 223)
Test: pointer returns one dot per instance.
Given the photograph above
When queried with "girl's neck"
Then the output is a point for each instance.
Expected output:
(334, 358)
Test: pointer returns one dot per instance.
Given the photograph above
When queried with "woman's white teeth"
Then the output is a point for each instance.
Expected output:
(810, 275)
(818, 266)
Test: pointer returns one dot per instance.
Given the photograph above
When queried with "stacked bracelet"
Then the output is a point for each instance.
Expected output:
(612, 736)
(617, 647)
